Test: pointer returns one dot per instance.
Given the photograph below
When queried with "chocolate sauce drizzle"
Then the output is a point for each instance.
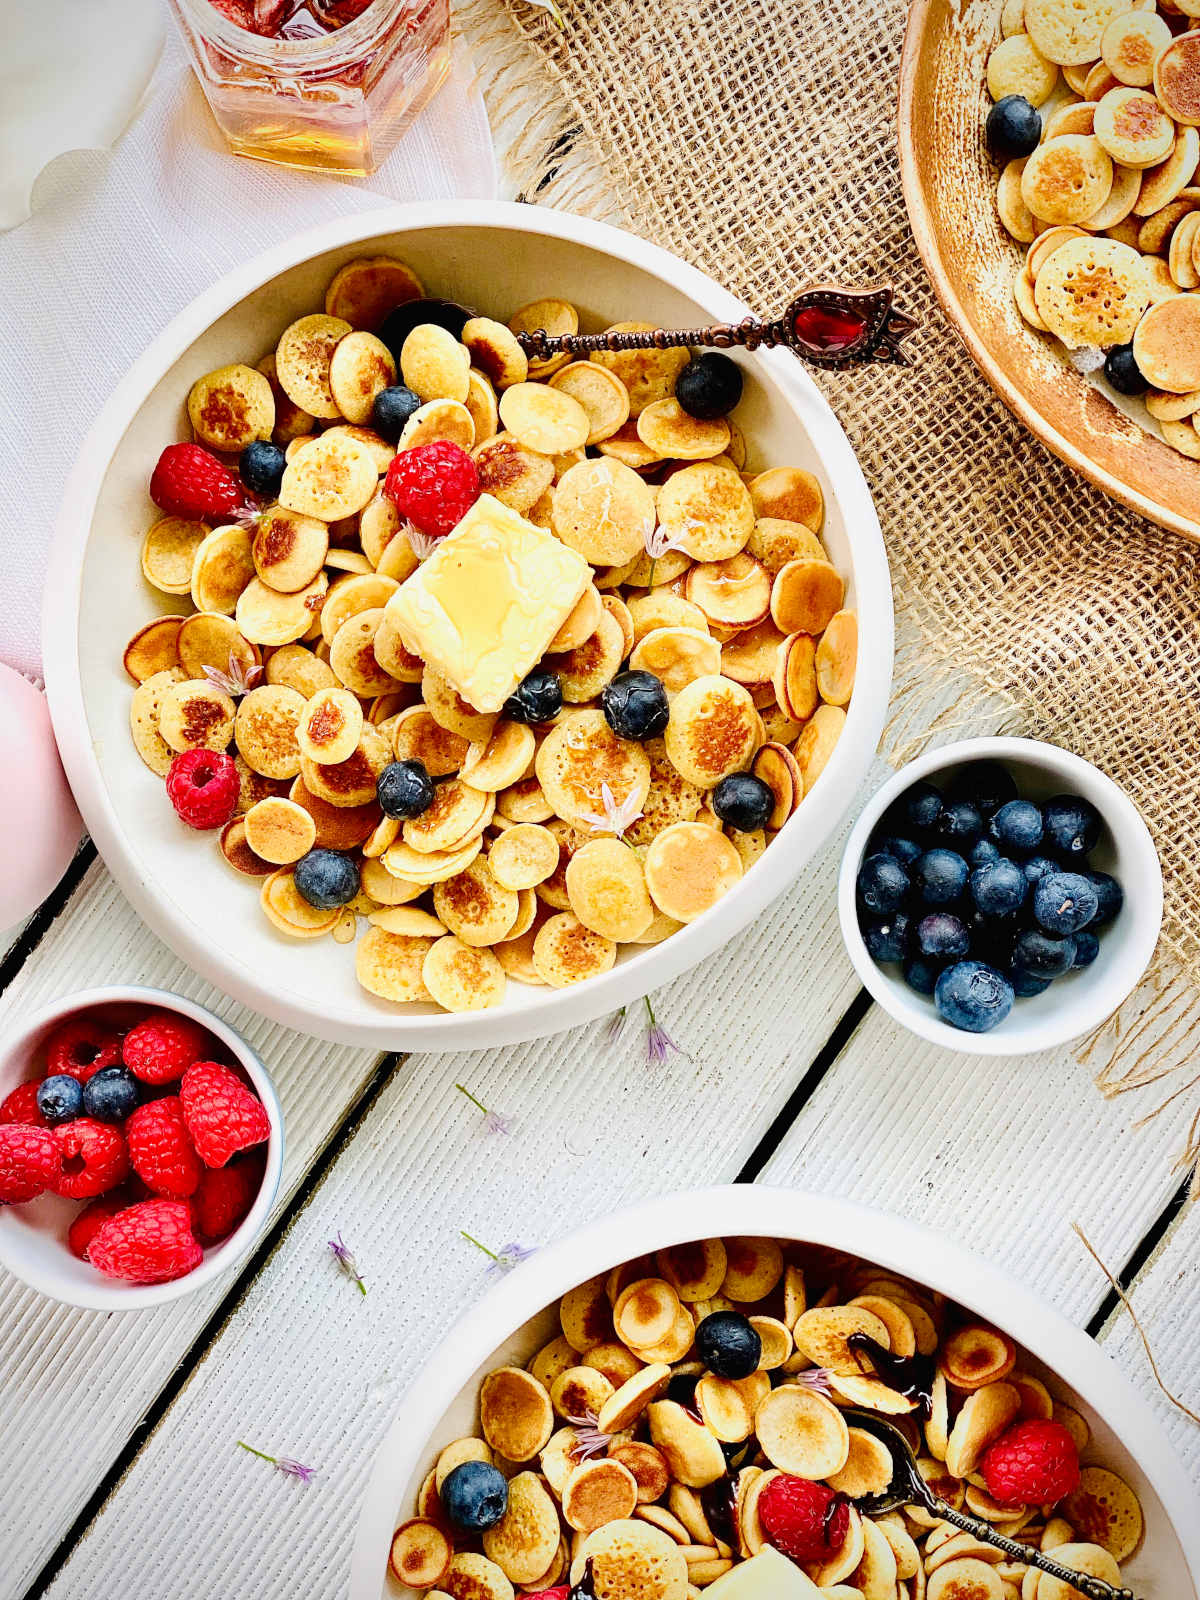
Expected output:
(910, 1376)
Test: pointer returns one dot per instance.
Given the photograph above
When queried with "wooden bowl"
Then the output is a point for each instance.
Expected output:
(949, 189)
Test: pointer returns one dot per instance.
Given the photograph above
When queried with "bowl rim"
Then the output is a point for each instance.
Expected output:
(111, 1294)
(921, 223)
(1119, 810)
(651, 967)
(896, 1243)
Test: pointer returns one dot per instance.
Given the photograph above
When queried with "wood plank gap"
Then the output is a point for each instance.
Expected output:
(385, 1070)
(1149, 1243)
(39, 924)
(807, 1087)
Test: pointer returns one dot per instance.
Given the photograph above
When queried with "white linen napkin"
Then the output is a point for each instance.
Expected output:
(120, 242)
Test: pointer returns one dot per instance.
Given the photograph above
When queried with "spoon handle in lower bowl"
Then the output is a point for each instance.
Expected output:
(1093, 1588)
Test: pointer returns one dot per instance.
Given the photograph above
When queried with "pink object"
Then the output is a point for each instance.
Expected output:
(38, 820)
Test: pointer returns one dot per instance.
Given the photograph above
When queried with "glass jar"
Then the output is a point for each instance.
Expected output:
(336, 100)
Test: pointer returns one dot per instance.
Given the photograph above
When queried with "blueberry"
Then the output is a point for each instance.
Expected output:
(325, 878)
(959, 824)
(60, 1098)
(921, 974)
(391, 410)
(1110, 897)
(1013, 128)
(1025, 985)
(1072, 826)
(1123, 372)
(111, 1095)
(1017, 827)
(886, 938)
(973, 996)
(986, 784)
(398, 324)
(982, 853)
(404, 789)
(939, 876)
(922, 806)
(261, 466)
(999, 888)
(882, 884)
(710, 386)
(905, 851)
(1037, 866)
(635, 706)
(942, 936)
(743, 801)
(1043, 956)
(993, 938)
(537, 699)
(728, 1345)
(1064, 902)
(475, 1496)
(1087, 948)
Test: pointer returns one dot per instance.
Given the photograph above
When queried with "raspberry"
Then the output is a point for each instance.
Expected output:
(163, 1046)
(222, 1199)
(190, 482)
(433, 485)
(151, 1242)
(561, 1591)
(806, 1521)
(80, 1047)
(30, 1162)
(22, 1106)
(221, 1114)
(89, 1222)
(203, 786)
(160, 1151)
(1033, 1464)
(94, 1158)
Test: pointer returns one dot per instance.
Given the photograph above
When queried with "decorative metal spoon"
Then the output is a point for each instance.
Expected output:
(908, 1487)
(826, 325)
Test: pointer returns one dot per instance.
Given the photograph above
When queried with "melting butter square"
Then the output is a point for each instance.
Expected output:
(484, 607)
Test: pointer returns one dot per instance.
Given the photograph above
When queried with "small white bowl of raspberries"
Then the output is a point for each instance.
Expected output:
(141, 1145)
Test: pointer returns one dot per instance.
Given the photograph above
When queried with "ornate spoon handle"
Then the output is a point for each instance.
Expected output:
(1093, 1588)
(826, 325)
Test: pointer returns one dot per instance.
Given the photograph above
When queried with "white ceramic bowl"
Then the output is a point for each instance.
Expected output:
(520, 1314)
(33, 1237)
(496, 257)
(1076, 1002)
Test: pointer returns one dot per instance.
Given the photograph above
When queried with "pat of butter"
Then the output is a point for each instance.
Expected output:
(484, 607)
(766, 1576)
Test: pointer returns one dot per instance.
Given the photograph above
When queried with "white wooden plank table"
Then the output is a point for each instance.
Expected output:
(118, 1434)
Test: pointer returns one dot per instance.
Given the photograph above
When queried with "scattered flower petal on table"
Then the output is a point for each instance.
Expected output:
(614, 1025)
(659, 1043)
(284, 1464)
(506, 1258)
(493, 1121)
(341, 1254)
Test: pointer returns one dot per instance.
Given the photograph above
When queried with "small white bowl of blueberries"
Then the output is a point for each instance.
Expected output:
(1000, 896)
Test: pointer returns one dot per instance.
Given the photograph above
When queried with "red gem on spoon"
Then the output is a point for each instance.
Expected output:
(828, 329)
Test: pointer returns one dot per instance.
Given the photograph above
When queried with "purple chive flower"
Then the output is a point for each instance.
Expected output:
(284, 1464)
(659, 1043)
(612, 1029)
(341, 1254)
(619, 815)
(590, 1438)
(506, 1258)
(816, 1379)
(493, 1121)
(423, 544)
(239, 680)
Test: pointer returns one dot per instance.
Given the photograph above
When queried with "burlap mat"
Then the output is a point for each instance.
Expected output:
(758, 142)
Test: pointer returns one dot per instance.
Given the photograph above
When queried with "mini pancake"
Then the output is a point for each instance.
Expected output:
(753, 1267)
(984, 1417)
(455, 1454)
(517, 477)
(502, 759)
(302, 359)
(671, 799)
(607, 890)
(524, 1541)
(664, 570)
(289, 912)
(549, 316)
(581, 623)
(1077, 116)
(238, 853)
(1131, 44)
(601, 394)
(481, 404)
(776, 766)
(670, 431)
(474, 906)
(603, 510)
(584, 1315)
(330, 478)
(279, 831)
(437, 420)
(776, 1340)
(378, 448)
(648, 375)
(1164, 407)
(420, 1554)
(677, 1343)
(222, 567)
(1068, 33)
(802, 1433)
(707, 511)
(350, 595)
(579, 1389)
(1017, 66)
(364, 290)
(1182, 436)
(144, 710)
(627, 1403)
(975, 1355)
(713, 730)
(265, 616)
(1082, 1558)
(265, 730)
(1105, 1511)
(1166, 344)
(788, 494)
(725, 1408)
(591, 666)
(662, 609)
(457, 813)
(290, 421)
(794, 676)
(1179, 256)
(649, 1468)
(294, 667)
(386, 890)
(1092, 292)
(1012, 18)
(1019, 222)
(1068, 179)
(1133, 127)
(732, 594)
(473, 1577)
(329, 726)
(616, 1361)
(195, 715)
(689, 867)
(1154, 234)
(515, 1413)
(1177, 78)
(837, 656)
(695, 1270)
(231, 407)
(544, 419)
(391, 653)
(1046, 244)
(378, 524)
(390, 965)
(434, 365)
(289, 549)
(1122, 197)
(823, 1335)
(350, 782)
(210, 640)
(629, 1557)
(338, 827)
(597, 1493)
(774, 541)
(625, 446)
(169, 553)
(447, 707)
(581, 753)
(352, 655)
(495, 351)
(565, 952)
(751, 656)
(409, 920)
(417, 737)
(692, 1453)
(360, 367)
